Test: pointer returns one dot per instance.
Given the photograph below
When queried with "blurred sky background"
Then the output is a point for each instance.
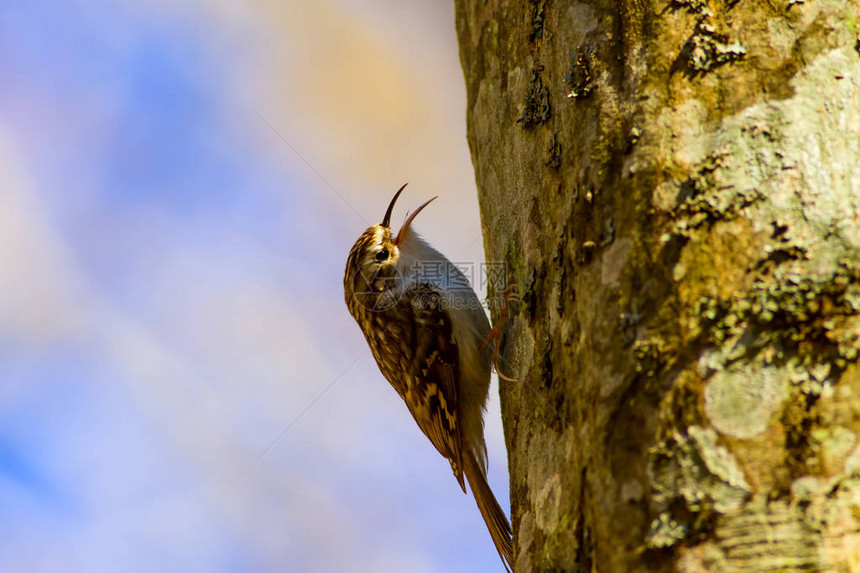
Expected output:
(181, 386)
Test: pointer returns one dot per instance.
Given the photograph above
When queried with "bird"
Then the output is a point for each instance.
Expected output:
(428, 333)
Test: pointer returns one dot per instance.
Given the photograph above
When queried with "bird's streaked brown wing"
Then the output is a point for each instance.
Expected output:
(431, 392)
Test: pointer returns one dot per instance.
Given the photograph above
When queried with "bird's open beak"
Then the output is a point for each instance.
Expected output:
(409, 219)
(387, 219)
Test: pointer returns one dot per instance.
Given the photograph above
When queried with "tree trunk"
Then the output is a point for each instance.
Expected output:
(674, 187)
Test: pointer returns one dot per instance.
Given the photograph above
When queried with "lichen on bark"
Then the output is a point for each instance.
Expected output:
(675, 188)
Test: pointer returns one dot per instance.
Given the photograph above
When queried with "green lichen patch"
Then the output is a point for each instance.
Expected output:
(777, 348)
(794, 315)
(547, 504)
(775, 163)
(785, 293)
(815, 531)
(833, 445)
(800, 309)
(707, 49)
(665, 532)
(536, 107)
(693, 478)
(740, 402)
(708, 196)
(650, 357)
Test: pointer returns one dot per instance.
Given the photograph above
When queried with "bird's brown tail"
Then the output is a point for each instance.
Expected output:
(491, 511)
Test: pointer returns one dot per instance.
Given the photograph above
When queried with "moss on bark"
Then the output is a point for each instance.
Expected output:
(675, 187)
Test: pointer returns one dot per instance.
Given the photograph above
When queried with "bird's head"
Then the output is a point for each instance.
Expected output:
(372, 267)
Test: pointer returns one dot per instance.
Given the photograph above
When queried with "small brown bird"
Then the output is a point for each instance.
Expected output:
(427, 331)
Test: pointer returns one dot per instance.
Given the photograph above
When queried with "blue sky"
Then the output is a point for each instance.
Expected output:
(170, 294)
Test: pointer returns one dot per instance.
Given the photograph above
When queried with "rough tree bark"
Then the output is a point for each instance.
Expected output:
(675, 187)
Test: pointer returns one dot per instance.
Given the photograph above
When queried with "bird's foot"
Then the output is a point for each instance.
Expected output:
(495, 335)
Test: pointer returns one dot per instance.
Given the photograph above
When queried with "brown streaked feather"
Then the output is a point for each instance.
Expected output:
(414, 347)
(432, 393)
(410, 333)
(493, 514)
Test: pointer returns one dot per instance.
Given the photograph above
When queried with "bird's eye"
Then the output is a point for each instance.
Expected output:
(382, 255)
